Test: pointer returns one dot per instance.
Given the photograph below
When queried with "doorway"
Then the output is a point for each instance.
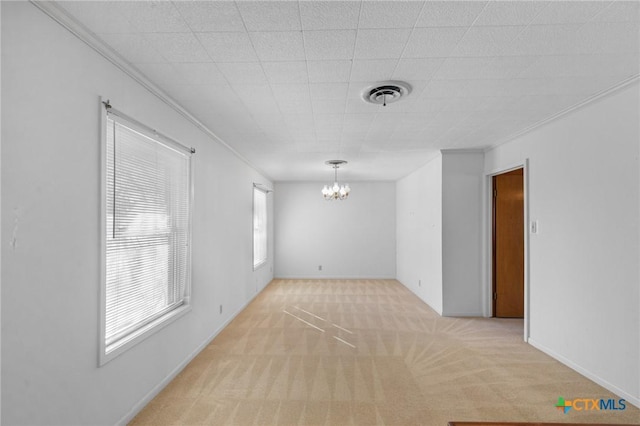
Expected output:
(508, 245)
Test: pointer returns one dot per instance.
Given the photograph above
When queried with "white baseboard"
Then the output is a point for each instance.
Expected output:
(156, 390)
(635, 400)
(412, 290)
(332, 277)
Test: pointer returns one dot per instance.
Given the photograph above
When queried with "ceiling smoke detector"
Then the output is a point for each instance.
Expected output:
(386, 92)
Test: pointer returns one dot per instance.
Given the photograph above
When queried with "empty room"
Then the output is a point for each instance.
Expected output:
(320, 212)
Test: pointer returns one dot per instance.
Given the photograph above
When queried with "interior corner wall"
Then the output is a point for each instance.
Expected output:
(419, 232)
(584, 270)
(462, 189)
(51, 214)
(353, 238)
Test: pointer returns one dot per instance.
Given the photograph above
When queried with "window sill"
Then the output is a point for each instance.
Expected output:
(124, 344)
(260, 265)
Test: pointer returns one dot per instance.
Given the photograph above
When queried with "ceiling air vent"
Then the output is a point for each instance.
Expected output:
(386, 92)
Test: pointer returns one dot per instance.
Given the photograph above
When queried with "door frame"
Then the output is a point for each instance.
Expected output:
(488, 238)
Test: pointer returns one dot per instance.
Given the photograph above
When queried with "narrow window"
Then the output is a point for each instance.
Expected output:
(259, 227)
(147, 215)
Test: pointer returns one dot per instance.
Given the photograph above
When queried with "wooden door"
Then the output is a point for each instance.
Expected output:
(508, 245)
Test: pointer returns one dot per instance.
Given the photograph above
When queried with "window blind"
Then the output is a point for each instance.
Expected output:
(259, 227)
(148, 197)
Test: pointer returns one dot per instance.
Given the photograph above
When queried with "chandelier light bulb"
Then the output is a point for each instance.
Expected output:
(335, 191)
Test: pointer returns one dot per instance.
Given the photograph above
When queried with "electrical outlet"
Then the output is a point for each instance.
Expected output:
(419, 283)
(319, 267)
(220, 308)
(534, 228)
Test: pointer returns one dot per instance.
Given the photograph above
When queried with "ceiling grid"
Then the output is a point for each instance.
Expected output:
(281, 81)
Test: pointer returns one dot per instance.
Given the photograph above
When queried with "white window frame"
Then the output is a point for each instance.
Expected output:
(106, 354)
(258, 262)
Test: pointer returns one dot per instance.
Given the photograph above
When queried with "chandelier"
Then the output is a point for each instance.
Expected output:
(335, 191)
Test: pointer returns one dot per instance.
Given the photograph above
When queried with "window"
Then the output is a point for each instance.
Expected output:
(147, 203)
(259, 227)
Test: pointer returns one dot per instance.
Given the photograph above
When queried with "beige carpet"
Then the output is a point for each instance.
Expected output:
(340, 352)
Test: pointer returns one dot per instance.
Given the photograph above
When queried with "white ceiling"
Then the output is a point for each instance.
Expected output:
(281, 81)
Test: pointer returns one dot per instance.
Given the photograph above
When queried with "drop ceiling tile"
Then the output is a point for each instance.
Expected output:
(444, 89)
(487, 41)
(620, 11)
(433, 42)
(336, 44)
(135, 48)
(463, 68)
(329, 15)
(505, 87)
(449, 13)
(449, 118)
(269, 121)
(583, 65)
(210, 16)
(227, 102)
(99, 17)
(510, 13)
(328, 121)
(499, 103)
(154, 16)
(258, 107)
(254, 94)
(509, 66)
(291, 92)
(605, 37)
(426, 105)
(381, 43)
(192, 92)
(567, 12)
(357, 105)
(389, 14)
(206, 73)
(228, 46)
(328, 71)
(546, 40)
(548, 104)
(239, 73)
(270, 15)
(298, 122)
(586, 86)
(327, 106)
(286, 72)
(329, 136)
(328, 91)
(417, 69)
(372, 70)
(161, 74)
(466, 104)
(278, 46)
(178, 47)
(295, 106)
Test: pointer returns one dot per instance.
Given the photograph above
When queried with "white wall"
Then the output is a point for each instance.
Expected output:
(461, 233)
(584, 273)
(353, 238)
(50, 221)
(419, 232)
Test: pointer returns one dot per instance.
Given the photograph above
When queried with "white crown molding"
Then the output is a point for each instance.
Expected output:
(569, 110)
(58, 14)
